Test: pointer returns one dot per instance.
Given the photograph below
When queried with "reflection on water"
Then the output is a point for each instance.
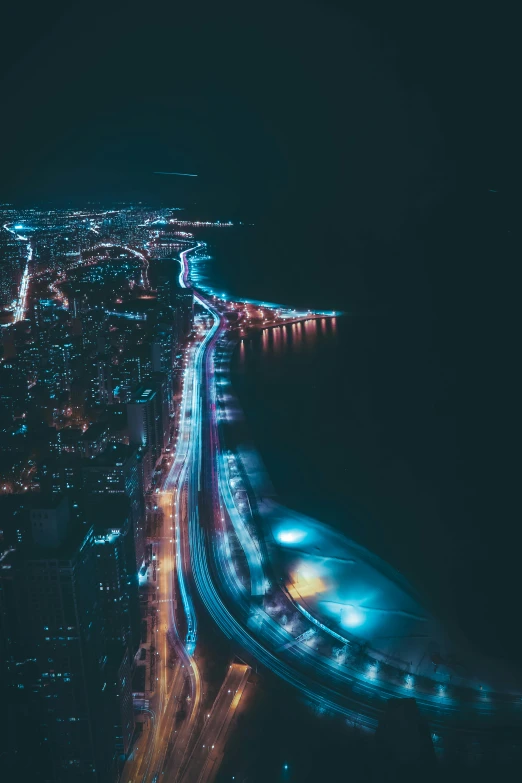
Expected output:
(292, 338)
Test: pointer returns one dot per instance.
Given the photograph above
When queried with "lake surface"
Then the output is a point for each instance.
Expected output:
(383, 424)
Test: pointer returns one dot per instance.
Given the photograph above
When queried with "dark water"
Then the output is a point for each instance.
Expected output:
(395, 426)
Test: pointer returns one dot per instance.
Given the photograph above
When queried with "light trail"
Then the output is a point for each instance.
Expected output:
(174, 174)
(21, 300)
(249, 546)
(167, 747)
(19, 312)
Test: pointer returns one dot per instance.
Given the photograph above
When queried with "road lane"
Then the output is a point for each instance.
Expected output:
(208, 752)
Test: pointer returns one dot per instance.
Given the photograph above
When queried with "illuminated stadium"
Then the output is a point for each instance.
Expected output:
(347, 591)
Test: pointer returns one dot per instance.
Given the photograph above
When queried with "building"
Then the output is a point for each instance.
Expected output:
(95, 440)
(69, 687)
(171, 295)
(77, 398)
(94, 330)
(60, 474)
(163, 388)
(45, 314)
(116, 573)
(145, 415)
(100, 381)
(119, 471)
(184, 303)
(13, 255)
(129, 376)
(57, 375)
(163, 355)
(13, 391)
(69, 440)
(49, 524)
(118, 708)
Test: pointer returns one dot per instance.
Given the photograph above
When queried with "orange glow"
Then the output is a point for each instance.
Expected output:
(304, 585)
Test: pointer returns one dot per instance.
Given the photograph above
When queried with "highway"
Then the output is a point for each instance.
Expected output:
(21, 300)
(165, 750)
(175, 584)
(208, 752)
(148, 760)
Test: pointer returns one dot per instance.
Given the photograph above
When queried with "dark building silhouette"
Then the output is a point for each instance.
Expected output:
(119, 471)
(116, 572)
(184, 302)
(163, 386)
(144, 420)
(170, 294)
(163, 355)
(69, 695)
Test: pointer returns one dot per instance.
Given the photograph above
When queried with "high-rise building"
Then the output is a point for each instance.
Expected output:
(70, 688)
(116, 572)
(60, 473)
(171, 295)
(57, 375)
(144, 419)
(129, 376)
(12, 257)
(13, 390)
(119, 471)
(163, 354)
(163, 388)
(95, 440)
(118, 708)
(77, 398)
(94, 330)
(7, 337)
(100, 381)
(46, 314)
(184, 303)
(49, 524)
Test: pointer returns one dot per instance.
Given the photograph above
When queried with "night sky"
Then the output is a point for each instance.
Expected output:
(387, 127)
(380, 139)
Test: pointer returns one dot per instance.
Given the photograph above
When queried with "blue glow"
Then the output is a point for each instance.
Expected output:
(351, 617)
(291, 536)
